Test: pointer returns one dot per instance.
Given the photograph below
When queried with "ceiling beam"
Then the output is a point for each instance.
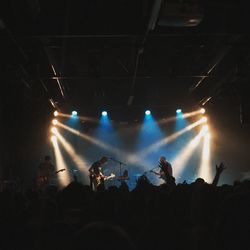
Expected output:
(218, 59)
(72, 36)
(119, 77)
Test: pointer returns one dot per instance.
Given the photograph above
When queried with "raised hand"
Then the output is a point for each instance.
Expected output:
(220, 168)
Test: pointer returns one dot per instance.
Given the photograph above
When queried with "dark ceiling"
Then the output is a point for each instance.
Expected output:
(122, 55)
(95, 53)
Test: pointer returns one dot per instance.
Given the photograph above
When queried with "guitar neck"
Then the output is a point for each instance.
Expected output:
(61, 170)
(108, 177)
(155, 172)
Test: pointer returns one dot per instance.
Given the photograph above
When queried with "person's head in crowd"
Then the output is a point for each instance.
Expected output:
(102, 235)
(199, 181)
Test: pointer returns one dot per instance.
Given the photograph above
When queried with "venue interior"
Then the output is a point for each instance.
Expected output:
(136, 83)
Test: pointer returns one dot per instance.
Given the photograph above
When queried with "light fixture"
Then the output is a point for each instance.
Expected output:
(202, 110)
(104, 113)
(178, 111)
(54, 122)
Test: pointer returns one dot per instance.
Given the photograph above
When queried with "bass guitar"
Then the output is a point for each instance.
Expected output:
(42, 181)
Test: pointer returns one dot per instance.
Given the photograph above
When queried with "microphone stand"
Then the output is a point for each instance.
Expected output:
(120, 164)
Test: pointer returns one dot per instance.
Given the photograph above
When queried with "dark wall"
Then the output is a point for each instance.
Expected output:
(24, 122)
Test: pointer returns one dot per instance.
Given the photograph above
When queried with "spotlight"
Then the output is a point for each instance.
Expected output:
(104, 113)
(54, 130)
(74, 113)
(147, 112)
(178, 111)
(53, 138)
(204, 119)
(54, 122)
(202, 110)
(56, 113)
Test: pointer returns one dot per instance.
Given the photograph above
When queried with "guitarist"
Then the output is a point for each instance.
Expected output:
(45, 170)
(166, 172)
(95, 175)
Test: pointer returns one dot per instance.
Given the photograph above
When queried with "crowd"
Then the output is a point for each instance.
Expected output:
(177, 216)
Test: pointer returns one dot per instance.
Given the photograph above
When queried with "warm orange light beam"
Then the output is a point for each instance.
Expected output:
(82, 118)
(169, 139)
(185, 115)
(53, 130)
(205, 168)
(91, 139)
(137, 158)
(180, 161)
(79, 161)
(54, 122)
(63, 177)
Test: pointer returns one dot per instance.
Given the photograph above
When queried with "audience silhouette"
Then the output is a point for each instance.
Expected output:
(172, 216)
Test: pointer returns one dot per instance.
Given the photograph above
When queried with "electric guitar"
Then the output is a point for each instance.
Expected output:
(101, 178)
(43, 180)
(160, 174)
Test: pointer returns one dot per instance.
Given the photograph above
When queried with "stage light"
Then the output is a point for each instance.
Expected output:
(53, 138)
(104, 113)
(205, 128)
(208, 135)
(56, 113)
(79, 161)
(168, 139)
(202, 110)
(194, 142)
(178, 111)
(90, 139)
(205, 167)
(147, 112)
(204, 119)
(182, 158)
(54, 122)
(54, 130)
(74, 113)
(63, 179)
